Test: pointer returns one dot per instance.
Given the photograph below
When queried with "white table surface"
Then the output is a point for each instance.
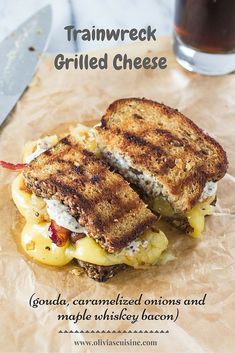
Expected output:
(85, 14)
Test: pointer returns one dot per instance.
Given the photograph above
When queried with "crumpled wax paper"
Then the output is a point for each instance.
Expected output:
(55, 100)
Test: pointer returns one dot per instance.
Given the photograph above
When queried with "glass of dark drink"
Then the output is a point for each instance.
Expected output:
(204, 35)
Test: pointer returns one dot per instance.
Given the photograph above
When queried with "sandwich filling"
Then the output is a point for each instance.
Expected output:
(43, 215)
(156, 196)
(165, 155)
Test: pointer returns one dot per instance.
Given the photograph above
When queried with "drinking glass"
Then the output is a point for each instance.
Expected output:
(204, 35)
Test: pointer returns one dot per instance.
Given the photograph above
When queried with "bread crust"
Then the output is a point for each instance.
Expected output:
(161, 143)
(100, 273)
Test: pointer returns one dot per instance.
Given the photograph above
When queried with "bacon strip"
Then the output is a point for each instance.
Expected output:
(59, 235)
(12, 166)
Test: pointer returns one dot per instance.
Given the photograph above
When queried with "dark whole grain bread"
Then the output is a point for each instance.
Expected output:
(101, 200)
(100, 273)
(160, 150)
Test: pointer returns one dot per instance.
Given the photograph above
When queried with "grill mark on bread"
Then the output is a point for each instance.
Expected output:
(89, 155)
(108, 193)
(52, 157)
(189, 179)
(187, 149)
(137, 116)
(78, 169)
(71, 192)
(65, 141)
(137, 140)
(95, 179)
(140, 141)
(129, 236)
(118, 215)
(197, 179)
(99, 224)
(124, 206)
(178, 142)
(95, 195)
(48, 152)
(153, 147)
(166, 163)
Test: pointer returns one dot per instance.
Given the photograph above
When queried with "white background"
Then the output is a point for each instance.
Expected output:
(85, 13)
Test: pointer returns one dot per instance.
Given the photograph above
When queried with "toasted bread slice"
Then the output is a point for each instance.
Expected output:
(102, 201)
(160, 150)
(100, 273)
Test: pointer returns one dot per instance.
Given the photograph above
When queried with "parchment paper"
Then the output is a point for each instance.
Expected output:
(56, 99)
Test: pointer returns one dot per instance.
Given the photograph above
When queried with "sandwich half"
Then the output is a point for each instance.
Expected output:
(173, 163)
(77, 208)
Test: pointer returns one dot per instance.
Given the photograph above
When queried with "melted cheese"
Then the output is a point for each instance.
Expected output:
(35, 236)
(195, 217)
(31, 207)
(33, 149)
(86, 136)
(145, 252)
(162, 207)
(36, 242)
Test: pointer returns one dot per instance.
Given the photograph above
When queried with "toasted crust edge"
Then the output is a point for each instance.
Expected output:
(100, 273)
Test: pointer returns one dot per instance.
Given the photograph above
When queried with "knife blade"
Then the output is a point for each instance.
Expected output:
(19, 55)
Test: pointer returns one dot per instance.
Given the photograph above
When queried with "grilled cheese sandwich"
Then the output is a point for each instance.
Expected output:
(75, 207)
(174, 164)
(141, 247)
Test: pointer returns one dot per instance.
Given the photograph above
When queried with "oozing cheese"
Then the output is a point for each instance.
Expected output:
(36, 242)
(142, 252)
(32, 149)
(162, 207)
(31, 207)
(35, 236)
(195, 217)
(86, 136)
